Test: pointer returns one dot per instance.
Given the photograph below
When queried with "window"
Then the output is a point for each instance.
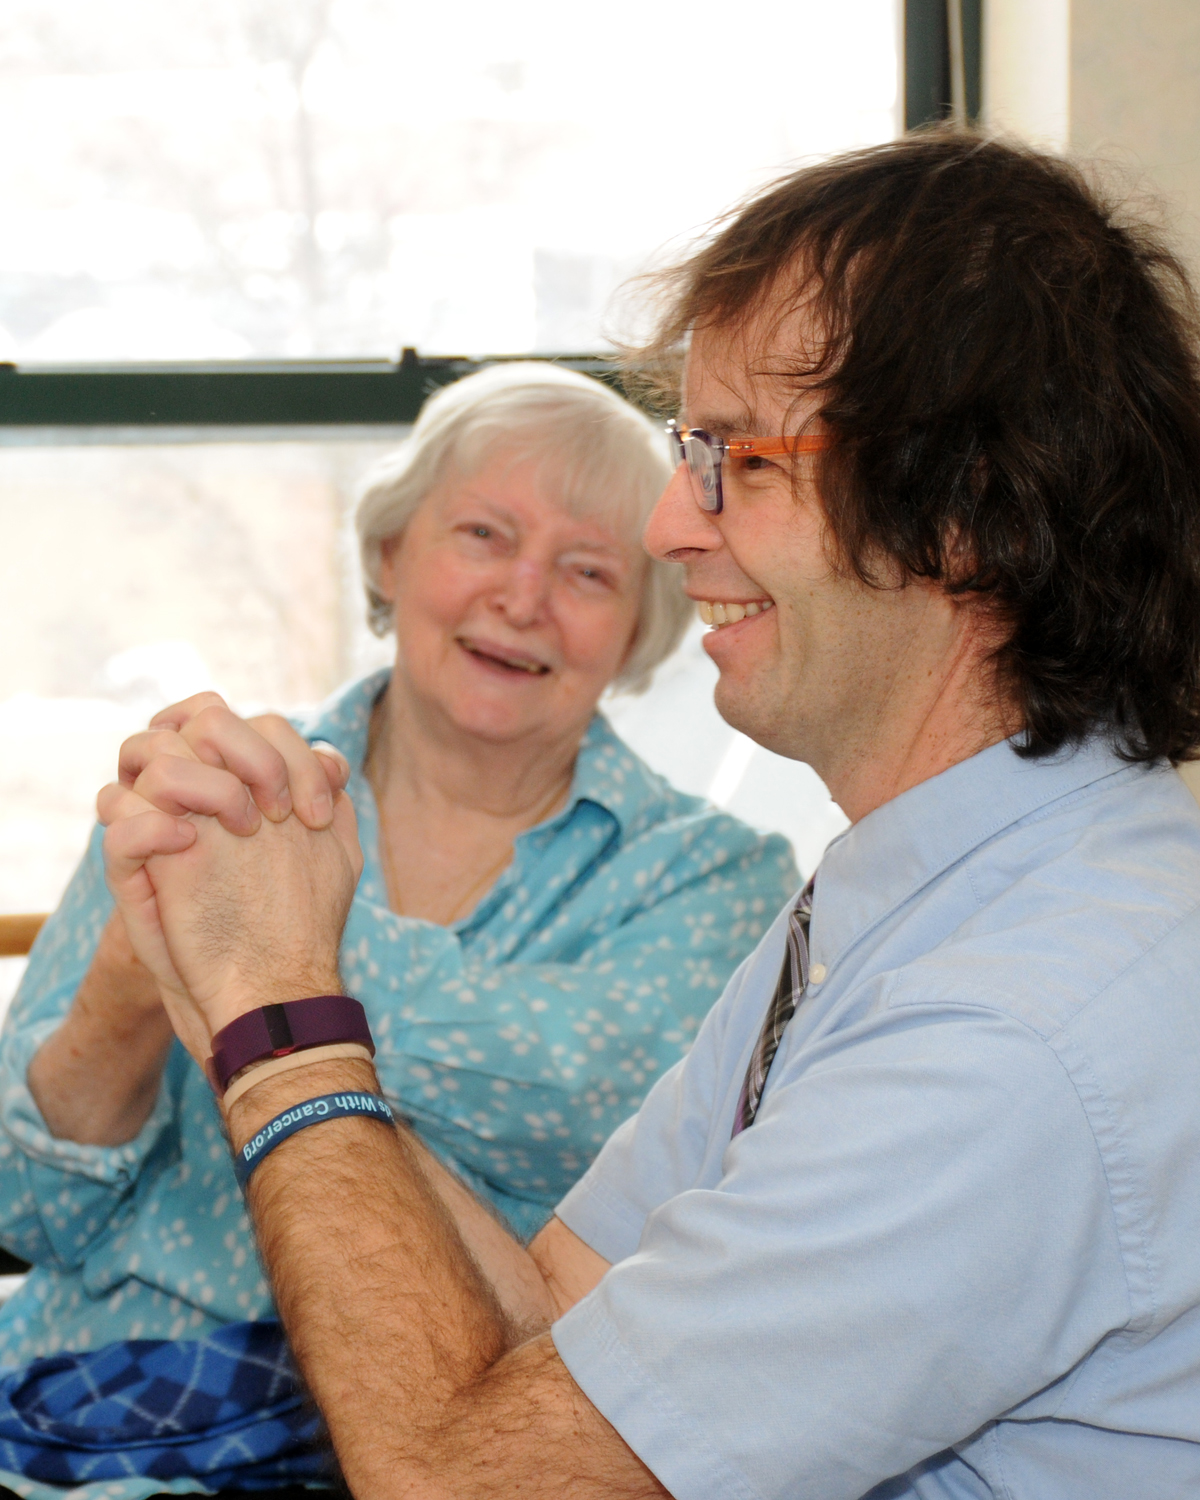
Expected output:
(338, 179)
(136, 574)
(346, 177)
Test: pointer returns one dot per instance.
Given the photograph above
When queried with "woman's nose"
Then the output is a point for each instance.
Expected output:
(677, 525)
(525, 590)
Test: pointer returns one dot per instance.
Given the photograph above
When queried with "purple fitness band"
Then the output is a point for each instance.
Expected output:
(277, 1030)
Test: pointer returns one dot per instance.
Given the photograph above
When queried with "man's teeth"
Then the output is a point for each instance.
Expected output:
(719, 614)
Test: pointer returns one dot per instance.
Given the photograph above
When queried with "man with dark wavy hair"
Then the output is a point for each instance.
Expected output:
(918, 1215)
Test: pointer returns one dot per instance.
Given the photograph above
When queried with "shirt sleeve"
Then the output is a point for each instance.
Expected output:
(913, 1236)
(521, 1070)
(57, 1196)
(659, 1152)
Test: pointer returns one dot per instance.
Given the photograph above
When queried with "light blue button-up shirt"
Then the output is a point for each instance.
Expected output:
(957, 1254)
(514, 1040)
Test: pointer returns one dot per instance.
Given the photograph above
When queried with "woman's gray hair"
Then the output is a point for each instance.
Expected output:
(606, 459)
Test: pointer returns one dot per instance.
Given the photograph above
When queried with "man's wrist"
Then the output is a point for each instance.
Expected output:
(279, 1032)
(240, 997)
(253, 1109)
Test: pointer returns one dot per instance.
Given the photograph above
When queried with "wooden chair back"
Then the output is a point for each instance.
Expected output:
(17, 932)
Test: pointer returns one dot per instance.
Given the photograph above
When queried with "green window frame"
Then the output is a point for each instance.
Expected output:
(939, 37)
(942, 59)
(249, 394)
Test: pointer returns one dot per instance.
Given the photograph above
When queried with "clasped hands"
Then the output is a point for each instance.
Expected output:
(232, 853)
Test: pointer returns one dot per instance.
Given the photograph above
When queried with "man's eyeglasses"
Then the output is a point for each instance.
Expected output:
(704, 455)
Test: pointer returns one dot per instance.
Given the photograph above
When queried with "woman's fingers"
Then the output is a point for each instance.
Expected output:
(133, 837)
(178, 714)
(178, 786)
(284, 773)
(137, 832)
(116, 801)
(345, 826)
(218, 737)
(337, 767)
(140, 749)
(315, 773)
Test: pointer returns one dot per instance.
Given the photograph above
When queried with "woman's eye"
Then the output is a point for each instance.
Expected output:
(481, 531)
(755, 461)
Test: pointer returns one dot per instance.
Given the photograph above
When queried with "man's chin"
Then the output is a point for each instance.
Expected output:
(737, 707)
(755, 715)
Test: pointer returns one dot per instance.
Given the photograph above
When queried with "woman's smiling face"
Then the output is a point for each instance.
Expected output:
(512, 615)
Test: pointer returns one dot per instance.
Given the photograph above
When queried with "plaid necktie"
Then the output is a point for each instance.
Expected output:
(793, 978)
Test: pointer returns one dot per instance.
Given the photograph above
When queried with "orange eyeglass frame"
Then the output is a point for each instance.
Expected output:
(703, 455)
(775, 447)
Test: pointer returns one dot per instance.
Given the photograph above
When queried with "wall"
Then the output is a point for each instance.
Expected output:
(1118, 79)
(1135, 99)
(1115, 79)
(1026, 69)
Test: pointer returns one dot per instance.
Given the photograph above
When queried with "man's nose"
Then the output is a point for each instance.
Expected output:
(677, 525)
(523, 596)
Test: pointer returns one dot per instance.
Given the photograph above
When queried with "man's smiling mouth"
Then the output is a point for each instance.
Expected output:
(721, 612)
(500, 656)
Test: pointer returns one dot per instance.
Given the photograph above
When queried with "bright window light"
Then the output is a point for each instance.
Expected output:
(346, 177)
(273, 178)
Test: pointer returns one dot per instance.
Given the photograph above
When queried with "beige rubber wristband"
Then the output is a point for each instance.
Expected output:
(257, 1073)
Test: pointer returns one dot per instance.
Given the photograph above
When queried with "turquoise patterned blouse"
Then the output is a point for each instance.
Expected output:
(514, 1040)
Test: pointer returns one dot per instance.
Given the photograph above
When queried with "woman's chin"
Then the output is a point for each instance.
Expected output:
(498, 729)
(493, 714)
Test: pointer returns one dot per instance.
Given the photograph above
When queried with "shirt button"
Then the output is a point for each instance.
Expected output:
(817, 973)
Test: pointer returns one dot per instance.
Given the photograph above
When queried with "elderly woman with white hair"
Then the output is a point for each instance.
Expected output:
(541, 924)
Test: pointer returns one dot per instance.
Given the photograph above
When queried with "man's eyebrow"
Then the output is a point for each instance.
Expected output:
(747, 425)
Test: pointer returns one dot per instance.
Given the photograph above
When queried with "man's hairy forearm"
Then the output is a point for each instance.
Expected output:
(385, 1310)
(524, 1428)
(435, 1380)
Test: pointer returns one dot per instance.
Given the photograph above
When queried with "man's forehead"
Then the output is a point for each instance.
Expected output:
(741, 379)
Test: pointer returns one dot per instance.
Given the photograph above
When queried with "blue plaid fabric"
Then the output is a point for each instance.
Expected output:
(228, 1410)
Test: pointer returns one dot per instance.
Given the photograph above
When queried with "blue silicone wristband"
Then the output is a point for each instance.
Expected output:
(300, 1117)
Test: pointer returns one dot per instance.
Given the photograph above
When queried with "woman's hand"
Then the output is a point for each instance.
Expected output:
(117, 981)
(269, 771)
(281, 771)
(231, 902)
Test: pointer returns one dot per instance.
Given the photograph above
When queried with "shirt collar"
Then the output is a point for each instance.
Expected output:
(881, 862)
(607, 772)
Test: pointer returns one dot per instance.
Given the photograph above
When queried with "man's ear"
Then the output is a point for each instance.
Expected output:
(960, 553)
(960, 559)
